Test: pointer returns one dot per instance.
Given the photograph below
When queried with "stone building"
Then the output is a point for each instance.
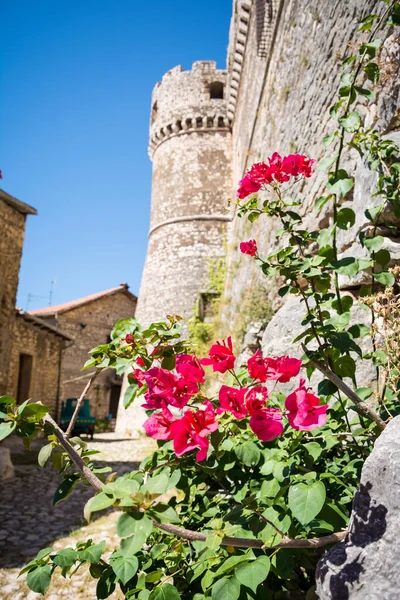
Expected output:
(30, 349)
(208, 126)
(88, 322)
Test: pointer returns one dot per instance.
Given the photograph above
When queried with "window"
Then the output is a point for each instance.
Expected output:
(24, 377)
(216, 90)
(154, 112)
(206, 306)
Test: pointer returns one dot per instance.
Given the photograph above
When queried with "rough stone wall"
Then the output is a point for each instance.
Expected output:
(45, 348)
(90, 325)
(12, 226)
(282, 105)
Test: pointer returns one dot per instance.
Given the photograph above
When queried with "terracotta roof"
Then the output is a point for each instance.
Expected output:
(61, 308)
(43, 325)
(21, 207)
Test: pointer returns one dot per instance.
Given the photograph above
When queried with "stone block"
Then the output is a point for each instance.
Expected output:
(6, 466)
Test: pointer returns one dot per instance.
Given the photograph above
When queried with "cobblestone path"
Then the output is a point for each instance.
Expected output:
(29, 521)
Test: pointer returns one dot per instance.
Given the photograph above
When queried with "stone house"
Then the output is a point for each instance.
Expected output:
(88, 322)
(30, 349)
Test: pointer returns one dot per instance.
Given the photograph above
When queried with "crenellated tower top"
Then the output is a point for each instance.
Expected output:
(188, 102)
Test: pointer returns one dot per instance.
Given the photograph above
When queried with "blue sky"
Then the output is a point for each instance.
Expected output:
(76, 78)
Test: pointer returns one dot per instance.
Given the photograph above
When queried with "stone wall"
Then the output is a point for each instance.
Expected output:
(29, 338)
(90, 325)
(282, 104)
(12, 224)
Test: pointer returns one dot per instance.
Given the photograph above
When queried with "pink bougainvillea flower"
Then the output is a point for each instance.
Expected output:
(232, 400)
(257, 367)
(192, 429)
(140, 362)
(158, 426)
(249, 247)
(297, 164)
(282, 368)
(220, 356)
(267, 423)
(189, 367)
(304, 410)
(247, 186)
(137, 376)
(166, 388)
(256, 399)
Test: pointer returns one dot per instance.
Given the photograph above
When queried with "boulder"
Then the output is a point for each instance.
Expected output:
(365, 566)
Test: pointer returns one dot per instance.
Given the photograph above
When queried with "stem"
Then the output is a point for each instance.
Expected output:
(80, 402)
(361, 406)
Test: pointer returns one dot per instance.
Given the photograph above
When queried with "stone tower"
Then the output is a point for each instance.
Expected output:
(190, 146)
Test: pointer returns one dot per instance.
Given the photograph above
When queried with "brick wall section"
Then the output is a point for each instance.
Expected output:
(45, 348)
(90, 325)
(12, 225)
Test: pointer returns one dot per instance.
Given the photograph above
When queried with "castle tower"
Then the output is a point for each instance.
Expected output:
(190, 146)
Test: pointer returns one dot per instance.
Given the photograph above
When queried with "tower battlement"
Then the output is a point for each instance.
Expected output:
(188, 102)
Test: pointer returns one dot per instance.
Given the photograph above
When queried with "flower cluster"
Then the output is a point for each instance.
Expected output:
(249, 247)
(276, 170)
(189, 427)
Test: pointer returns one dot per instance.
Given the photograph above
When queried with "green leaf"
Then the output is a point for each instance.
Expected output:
(313, 449)
(351, 123)
(358, 330)
(39, 579)
(92, 553)
(364, 393)
(320, 202)
(345, 366)
(34, 410)
(98, 502)
(370, 48)
(65, 558)
(44, 454)
(326, 388)
(385, 278)
(7, 400)
(156, 485)
(373, 244)
(373, 212)
(230, 563)
(165, 592)
(124, 568)
(226, 589)
(6, 429)
(66, 487)
(130, 523)
(106, 584)
(43, 553)
(346, 218)
(326, 163)
(121, 488)
(305, 501)
(280, 521)
(130, 394)
(254, 572)
(372, 72)
(248, 453)
(340, 184)
(269, 488)
(346, 266)
(328, 139)
(382, 257)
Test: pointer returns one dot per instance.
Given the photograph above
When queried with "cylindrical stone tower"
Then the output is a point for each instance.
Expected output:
(190, 146)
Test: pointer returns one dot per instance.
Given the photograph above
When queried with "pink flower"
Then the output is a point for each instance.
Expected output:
(140, 362)
(257, 367)
(275, 163)
(158, 426)
(282, 368)
(267, 423)
(137, 376)
(249, 247)
(256, 399)
(246, 187)
(220, 356)
(192, 429)
(166, 388)
(232, 400)
(129, 338)
(189, 367)
(297, 164)
(305, 411)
